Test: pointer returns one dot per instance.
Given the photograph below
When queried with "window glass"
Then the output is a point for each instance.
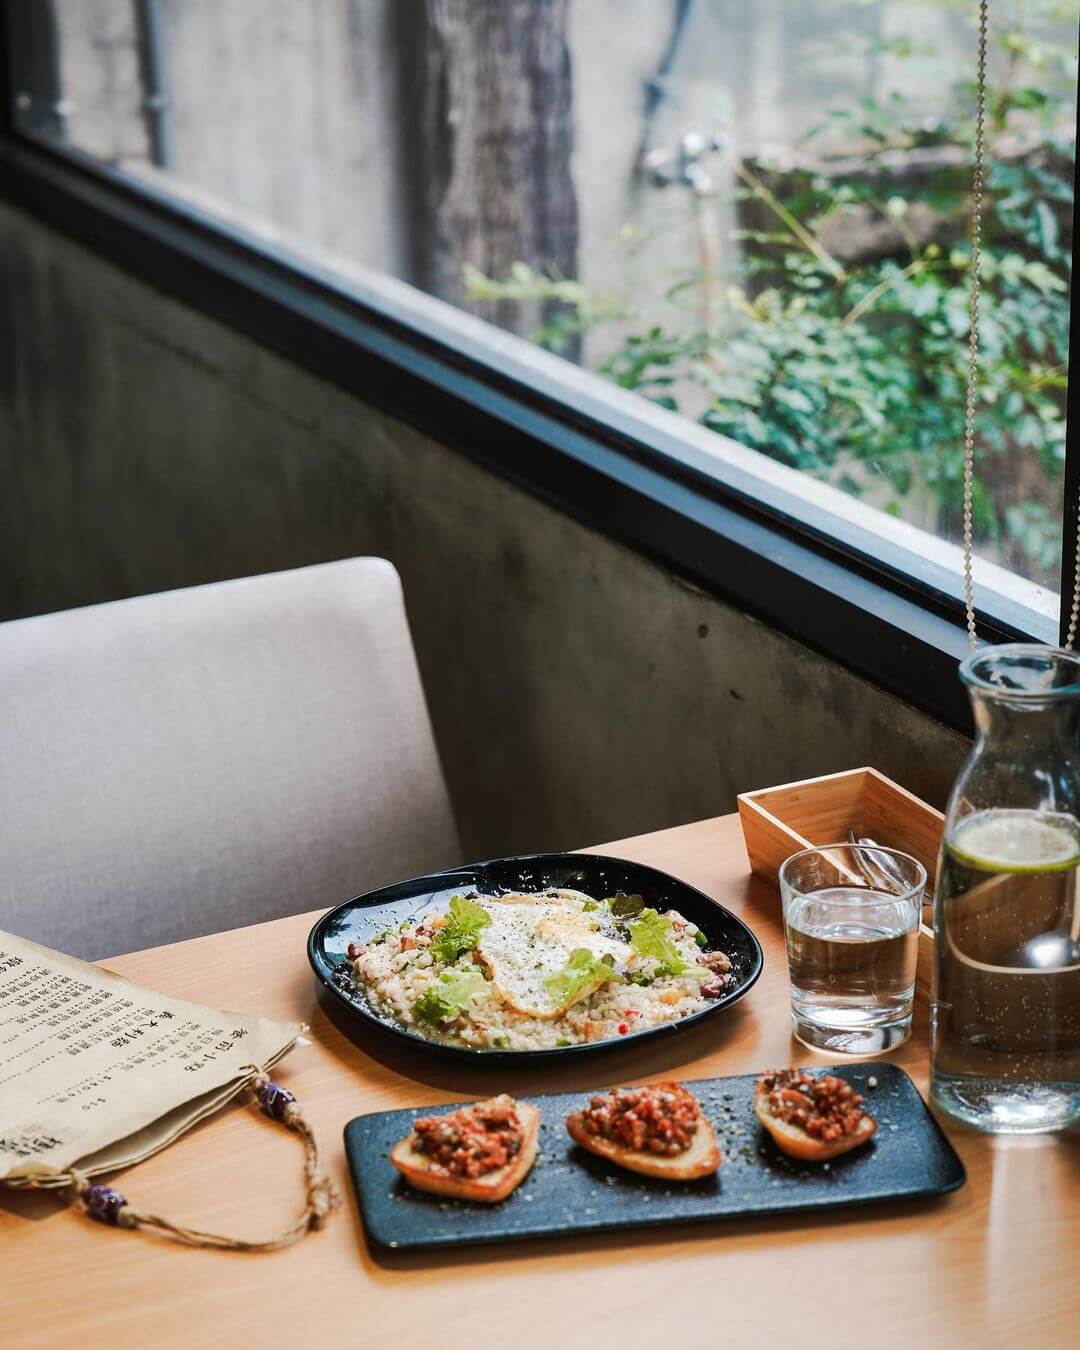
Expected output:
(752, 214)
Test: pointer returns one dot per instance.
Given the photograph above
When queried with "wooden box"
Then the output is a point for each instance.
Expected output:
(779, 821)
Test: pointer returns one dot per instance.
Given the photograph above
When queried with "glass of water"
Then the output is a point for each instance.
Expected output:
(851, 919)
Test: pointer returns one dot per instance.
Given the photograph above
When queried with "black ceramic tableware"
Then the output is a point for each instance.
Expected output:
(361, 919)
(571, 1192)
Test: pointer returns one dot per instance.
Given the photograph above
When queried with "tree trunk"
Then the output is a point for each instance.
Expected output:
(500, 137)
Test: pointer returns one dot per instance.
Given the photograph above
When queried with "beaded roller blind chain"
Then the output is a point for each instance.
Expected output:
(974, 284)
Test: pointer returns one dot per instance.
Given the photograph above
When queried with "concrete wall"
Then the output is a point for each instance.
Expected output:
(579, 692)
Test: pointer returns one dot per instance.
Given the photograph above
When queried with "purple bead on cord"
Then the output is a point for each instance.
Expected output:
(103, 1203)
(274, 1099)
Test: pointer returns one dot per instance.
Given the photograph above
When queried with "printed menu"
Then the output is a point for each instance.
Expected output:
(97, 1072)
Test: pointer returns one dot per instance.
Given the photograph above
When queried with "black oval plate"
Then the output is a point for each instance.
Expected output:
(360, 919)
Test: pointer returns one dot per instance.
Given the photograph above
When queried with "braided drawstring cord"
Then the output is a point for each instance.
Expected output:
(108, 1206)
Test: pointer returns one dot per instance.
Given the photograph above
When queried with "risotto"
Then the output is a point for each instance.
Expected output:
(538, 971)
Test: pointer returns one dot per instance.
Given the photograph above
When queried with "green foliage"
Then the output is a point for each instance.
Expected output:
(855, 373)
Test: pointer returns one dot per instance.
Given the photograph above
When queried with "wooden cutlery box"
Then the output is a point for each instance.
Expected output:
(779, 821)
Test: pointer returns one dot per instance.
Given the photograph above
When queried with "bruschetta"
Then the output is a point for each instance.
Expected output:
(810, 1118)
(478, 1152)
(658, 1131)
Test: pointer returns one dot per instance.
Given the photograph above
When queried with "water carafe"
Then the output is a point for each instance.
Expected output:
(1005, 1035)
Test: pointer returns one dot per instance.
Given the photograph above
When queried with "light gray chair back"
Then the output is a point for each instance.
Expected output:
(177, 764)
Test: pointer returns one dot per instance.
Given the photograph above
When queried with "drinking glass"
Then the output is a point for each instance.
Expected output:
(851, 920)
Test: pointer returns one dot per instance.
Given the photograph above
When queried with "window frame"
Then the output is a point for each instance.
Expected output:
(852, 597)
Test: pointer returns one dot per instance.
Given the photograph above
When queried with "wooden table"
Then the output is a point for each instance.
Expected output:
(991, 1265)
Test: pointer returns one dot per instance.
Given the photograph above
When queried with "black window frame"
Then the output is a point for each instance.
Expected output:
(851, 597)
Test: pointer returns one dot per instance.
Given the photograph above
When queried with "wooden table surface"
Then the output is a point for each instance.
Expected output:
(994, 1263)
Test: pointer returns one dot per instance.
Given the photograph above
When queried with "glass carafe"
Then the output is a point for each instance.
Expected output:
(1005, 1035)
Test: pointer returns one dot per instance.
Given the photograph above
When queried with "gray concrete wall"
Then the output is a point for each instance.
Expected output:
(579, 692)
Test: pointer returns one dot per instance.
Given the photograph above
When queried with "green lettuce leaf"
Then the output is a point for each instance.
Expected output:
(651, 936)
(625, 906)
(462, 932)
(582, 973)
(451, 995)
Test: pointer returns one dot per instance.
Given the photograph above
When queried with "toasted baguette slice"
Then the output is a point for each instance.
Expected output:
(700, 1160)
(796, 1143)
(418, 1170)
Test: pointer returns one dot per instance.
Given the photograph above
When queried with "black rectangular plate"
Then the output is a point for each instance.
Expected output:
(571, 1191)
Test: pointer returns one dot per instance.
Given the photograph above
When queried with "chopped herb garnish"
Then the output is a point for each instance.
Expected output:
(700, 938)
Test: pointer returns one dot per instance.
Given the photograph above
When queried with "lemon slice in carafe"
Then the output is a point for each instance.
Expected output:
(1017, 841)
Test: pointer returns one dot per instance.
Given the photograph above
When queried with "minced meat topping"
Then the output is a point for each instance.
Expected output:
(659, 1119)
(474, 1140)
(825, 1108)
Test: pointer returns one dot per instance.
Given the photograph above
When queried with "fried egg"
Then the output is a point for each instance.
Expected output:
(531, 938)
